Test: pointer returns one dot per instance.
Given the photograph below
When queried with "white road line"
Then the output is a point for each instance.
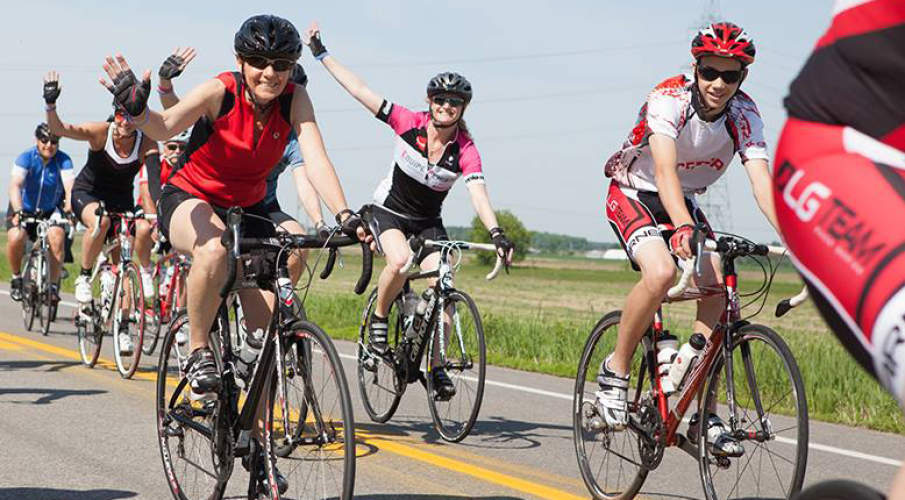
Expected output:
(567, 397)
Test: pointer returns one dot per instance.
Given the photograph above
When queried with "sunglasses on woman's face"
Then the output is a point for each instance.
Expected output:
(262, 63)
(710, 74)
(175, 146)
(453, 101)
(50, 140)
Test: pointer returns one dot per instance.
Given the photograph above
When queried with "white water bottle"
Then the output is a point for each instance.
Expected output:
(165, 281)
(667, 345)
(107, 282)
(687, 356)
(248, 356)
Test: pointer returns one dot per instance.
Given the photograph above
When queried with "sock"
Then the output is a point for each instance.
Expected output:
(86, 271)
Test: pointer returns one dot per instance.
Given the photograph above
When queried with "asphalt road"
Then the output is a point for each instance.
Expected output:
(70, 432)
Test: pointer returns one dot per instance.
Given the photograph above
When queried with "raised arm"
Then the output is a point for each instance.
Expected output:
(132, 94)
(93, 132)
(172, 67)
(349, 81)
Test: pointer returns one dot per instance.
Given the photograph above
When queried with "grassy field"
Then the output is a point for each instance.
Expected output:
(538, 317)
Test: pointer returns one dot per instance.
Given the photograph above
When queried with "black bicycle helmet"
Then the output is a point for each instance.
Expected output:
(42, 131)
(450, 83)
(268, 36)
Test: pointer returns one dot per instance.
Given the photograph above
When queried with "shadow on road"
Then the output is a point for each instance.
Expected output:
(49, 395)
(495, 432)
(51, 366)
(432, 497)
(54, 494)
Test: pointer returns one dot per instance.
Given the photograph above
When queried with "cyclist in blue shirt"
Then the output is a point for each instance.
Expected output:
(40, 177)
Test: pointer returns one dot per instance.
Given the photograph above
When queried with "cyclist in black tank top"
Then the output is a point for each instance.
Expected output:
(117, 150)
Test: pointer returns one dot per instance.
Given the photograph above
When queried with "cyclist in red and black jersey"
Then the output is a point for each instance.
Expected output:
(839, 185)
(242, 123)
(433, 149)
(116, 151)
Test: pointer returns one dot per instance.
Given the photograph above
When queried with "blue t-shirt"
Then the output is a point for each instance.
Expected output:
(43, 186)
(292, 159)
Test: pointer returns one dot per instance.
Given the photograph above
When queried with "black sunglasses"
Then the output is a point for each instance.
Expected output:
(51, 140)
(453, 101)
(260, 62)
(175, 146)
(710, 74)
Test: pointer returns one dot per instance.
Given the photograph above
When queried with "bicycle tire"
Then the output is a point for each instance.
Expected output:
(129, 284)
(170, 373)
(45, 297)
(326, 376)
(454, 428)
(590, 360)
(840, 489)
(90, 336)
(381, 389)
(28, 292)
(746, 344)
(153, 316)
(293, 366)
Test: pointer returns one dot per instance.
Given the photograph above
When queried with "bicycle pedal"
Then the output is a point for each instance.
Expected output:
(171, 431)
(370, 363)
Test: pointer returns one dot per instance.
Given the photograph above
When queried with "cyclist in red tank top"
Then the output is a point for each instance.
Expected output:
(839, 185)
(242, 121)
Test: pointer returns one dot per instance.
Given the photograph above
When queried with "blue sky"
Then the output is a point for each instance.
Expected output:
(557, 84)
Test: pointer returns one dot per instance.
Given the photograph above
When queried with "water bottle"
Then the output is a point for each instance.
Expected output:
(418, 322)
(667, 345)
(247, 356)
(107, 282)
(687, 356)
(165, 281)
(284, 288)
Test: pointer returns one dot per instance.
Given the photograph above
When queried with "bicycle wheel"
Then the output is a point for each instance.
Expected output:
(378, 378)
(296, 362)
(89, 333)
(129, 320)
(772, 419)
(840, 489)
(45, 297)
(465, 363)
(194, 467)
(610, 461)
(153, 316)
(29, 278)
(321, 463)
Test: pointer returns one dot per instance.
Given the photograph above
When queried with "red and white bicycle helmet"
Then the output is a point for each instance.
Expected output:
(723, 39)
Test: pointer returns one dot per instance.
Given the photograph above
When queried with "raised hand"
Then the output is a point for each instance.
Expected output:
(312, 39)
(174, 65)
(127, 91)
(52, 87)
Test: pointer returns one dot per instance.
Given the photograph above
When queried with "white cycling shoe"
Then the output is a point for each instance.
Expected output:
(125, 344)
(147, 284)
(83, 289)
(612, 408)
(719, 441)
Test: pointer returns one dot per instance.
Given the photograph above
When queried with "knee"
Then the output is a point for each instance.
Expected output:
(16, 237)
(659, 277)
(396, 261)
(211, 256)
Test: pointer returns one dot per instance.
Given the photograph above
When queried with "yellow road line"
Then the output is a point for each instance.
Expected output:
(411, 452)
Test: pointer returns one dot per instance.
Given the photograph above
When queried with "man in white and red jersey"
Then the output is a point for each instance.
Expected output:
(689, 129)
(839, 185)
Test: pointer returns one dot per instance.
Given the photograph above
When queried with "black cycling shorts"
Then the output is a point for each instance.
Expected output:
(256, 223)
(380, 219)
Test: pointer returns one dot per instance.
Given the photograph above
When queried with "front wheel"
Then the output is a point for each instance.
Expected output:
(609, 460)
(128, 321)
(29, 284)
(89, 333)
(45, 297)
(378, 377)
(770, 419)
(465, 362)
(309, 421)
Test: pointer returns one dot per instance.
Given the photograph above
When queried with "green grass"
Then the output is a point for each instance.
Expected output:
(538, 318)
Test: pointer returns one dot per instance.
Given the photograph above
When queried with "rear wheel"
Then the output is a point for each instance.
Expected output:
(771, 419)
(378, 377)
(29, 280)
(128, 320)
(45, 297)
(185, 428)
(89, 333)
(465, 363)
(313, 429)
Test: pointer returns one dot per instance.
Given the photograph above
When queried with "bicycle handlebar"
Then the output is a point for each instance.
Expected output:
(416, 244)
(739, 248)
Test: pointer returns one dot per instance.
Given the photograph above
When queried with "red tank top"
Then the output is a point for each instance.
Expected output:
(222, 164)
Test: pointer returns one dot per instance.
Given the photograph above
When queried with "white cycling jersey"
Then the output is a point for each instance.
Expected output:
(703, 149)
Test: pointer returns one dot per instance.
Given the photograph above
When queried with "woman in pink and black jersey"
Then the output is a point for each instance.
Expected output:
(242, 122)
(433, 149)
(839, 185)
(687, 133)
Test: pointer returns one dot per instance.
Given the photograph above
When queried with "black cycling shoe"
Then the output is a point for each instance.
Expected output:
(204, 378)
(256, 457)
(54, 293)
(444, 389)
(377, 338)
(15, 289)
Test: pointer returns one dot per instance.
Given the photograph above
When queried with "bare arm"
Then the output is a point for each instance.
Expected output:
(310, 201)
(93, 132)
(663, 150)
(172, 67)
(68, 181)
(349, 81)
(146, 201)
(480, 200)
(761, 183)
(15, 192)
(203, 100)
(167, 93)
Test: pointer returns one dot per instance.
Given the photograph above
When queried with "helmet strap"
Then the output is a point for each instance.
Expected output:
(438, 125)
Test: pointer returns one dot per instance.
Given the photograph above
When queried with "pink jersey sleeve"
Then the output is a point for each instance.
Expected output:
(470, 163)
(399, 117)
